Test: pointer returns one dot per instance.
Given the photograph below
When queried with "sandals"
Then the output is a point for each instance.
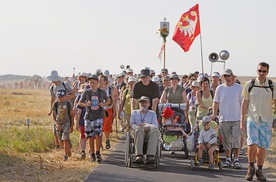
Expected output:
(227, 163)
(237, 164)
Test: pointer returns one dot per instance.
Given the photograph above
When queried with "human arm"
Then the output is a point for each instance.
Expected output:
(163, 98)
(133, 103)
(184, 97)
(51, 105)
(215, 110)
(244, 111)
(154, 104)
(77, 119)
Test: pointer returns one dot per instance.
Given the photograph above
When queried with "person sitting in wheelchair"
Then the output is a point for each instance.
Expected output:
(144, 123)
(207, 140)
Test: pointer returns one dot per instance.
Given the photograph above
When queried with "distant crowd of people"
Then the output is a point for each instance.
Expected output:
(91, 102)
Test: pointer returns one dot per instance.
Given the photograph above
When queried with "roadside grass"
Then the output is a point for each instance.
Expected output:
(28, 153)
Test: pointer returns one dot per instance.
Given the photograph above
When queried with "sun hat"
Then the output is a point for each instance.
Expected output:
(129, 70)
(94, 77)
(174, 76)
(83, 87)
(152, 72)
(206, 120)
(61, 93)
(155, 79)
(166, 78)
(167, 113)
(195, 84)
(131, 79)
(164, 70)
(144, 98)
(54, 76)
(84, 74)
(227, 72)
(106, 73)
(215, 74)
(145, 73)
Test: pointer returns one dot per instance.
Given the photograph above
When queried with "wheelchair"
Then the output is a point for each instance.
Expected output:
(169, 129)
(130, 150)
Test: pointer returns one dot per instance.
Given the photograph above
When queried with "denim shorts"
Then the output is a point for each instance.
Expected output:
(259, 133)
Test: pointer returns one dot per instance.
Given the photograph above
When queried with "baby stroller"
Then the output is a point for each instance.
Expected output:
(205, 156)
(130, 149)
(172, 136)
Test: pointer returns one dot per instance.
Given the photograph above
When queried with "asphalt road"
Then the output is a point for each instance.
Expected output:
(172, 168)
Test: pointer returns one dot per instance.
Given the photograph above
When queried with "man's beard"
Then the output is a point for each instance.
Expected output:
(143, 109)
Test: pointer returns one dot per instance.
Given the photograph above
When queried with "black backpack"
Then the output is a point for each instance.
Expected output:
(252, 84)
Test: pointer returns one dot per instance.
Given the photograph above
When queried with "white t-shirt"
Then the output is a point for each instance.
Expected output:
(229, 99)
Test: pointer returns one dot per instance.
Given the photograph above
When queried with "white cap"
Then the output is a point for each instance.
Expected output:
(155, 79)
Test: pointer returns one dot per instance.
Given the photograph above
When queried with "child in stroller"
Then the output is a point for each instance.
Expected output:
(206, 151)
(173, 132)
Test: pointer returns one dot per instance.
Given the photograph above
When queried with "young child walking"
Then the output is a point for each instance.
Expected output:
(63, 118)
(207, 140)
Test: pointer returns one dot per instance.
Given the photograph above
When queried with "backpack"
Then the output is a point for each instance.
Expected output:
(52, 87)
(211, 92)
(67, 107)
(252, 84)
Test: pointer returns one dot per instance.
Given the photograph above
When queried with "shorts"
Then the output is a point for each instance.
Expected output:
(107, 122)
(259, 133)
(64, 133)
(231, 134)
(93, 128)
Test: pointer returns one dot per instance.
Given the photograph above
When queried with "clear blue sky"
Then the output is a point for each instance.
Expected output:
(38, 36)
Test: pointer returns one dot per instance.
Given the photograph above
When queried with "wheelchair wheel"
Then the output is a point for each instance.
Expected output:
(186, 151)
(220, 166)
(158, 155)
(192, 164)
(128, 151)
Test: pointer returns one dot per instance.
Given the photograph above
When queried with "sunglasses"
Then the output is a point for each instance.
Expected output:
(164, 72)
(262, 71)
(226, 75)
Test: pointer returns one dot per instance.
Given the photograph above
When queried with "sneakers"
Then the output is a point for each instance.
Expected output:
(250, 173)
(227, 163)
(138, 159)
(211, 167)
(98, 158)
(92, 157)
(150, 159)
(82, 155)
(199, 162)
(259, 175)
(57, 147)
(65, 158)
(241, 152)
(172, 152)
(237, 164)
(107, 144)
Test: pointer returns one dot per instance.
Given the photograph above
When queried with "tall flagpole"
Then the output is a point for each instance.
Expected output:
(164, 32)
(202, 70)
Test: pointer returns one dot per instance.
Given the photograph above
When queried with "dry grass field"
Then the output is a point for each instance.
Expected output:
(28, 154)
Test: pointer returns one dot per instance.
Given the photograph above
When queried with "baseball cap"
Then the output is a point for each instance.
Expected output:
(195, 84)
(61, 93)
(145, 72)
(206, 120)
(227, 72)
(144, 98)
(216, 74)
(164, 70)
(129, 70)
(94, 77)
(131, 79)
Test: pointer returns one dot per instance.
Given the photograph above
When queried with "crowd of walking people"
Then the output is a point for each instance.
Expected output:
(90, 102)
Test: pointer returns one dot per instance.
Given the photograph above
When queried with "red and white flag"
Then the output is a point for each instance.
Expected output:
(187, 28)
(160, 55)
